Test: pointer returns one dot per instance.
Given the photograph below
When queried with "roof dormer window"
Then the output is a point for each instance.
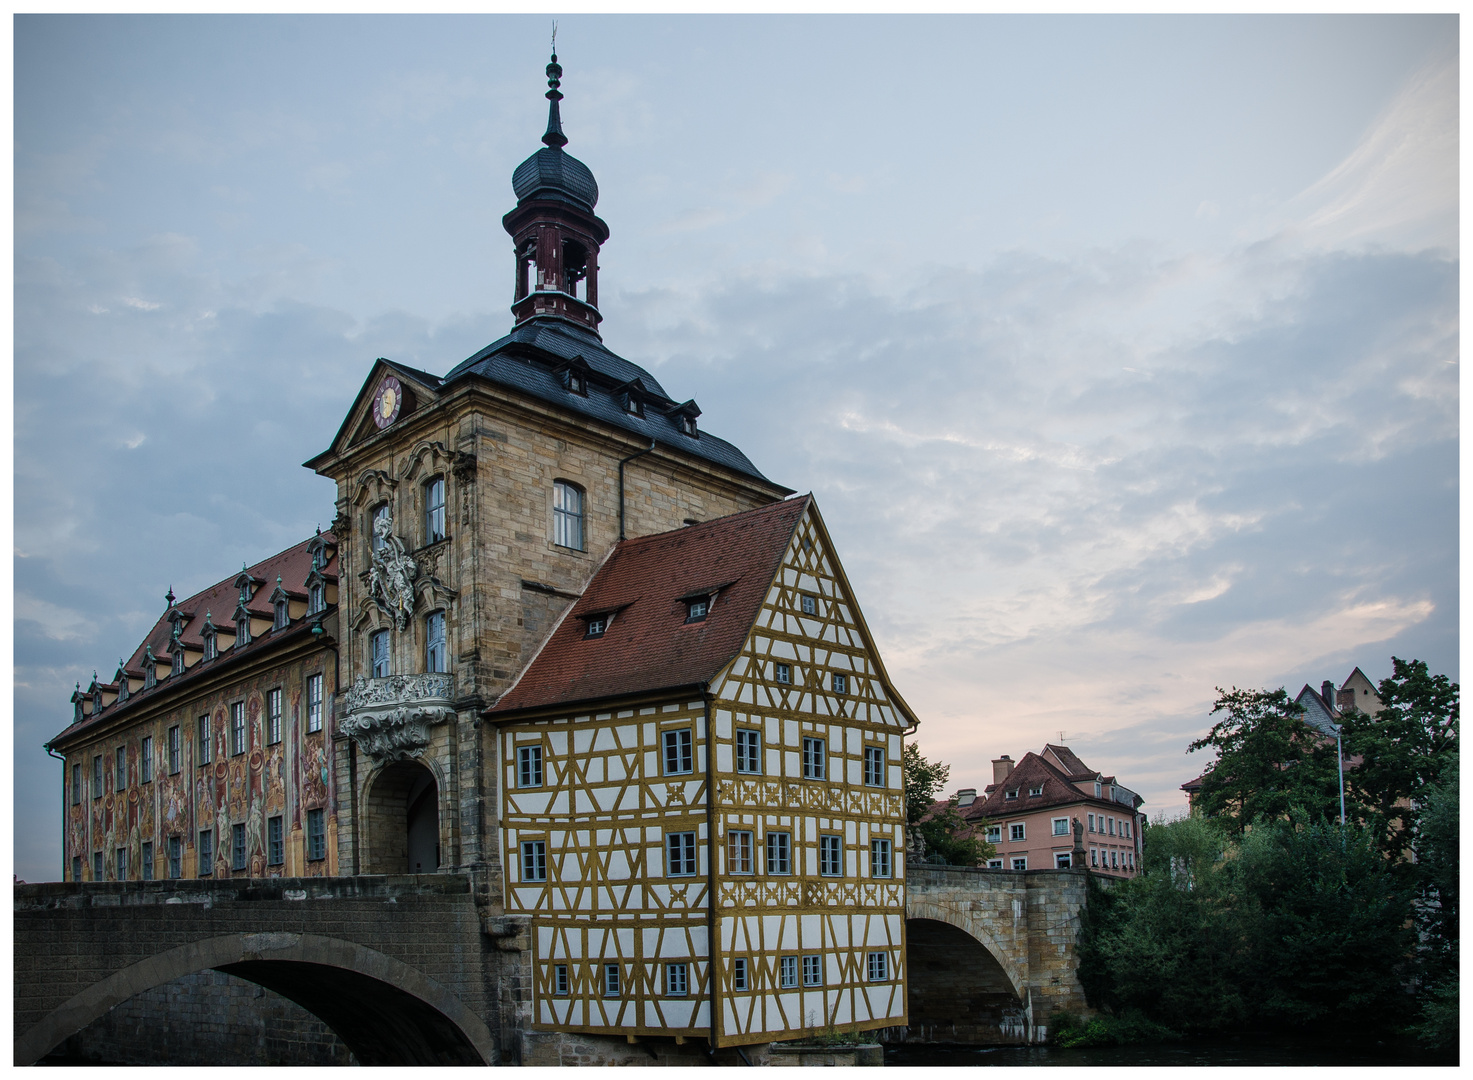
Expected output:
(316, 598)
(211, 649)
(597, 624)
(685, 418)
(178, 662)
(242, 628)
(576, 382)
(122, 682)
(632, 405)
(280, 615)
(1011, 793)
(150, 668)
(1035, 791)
(697, 609)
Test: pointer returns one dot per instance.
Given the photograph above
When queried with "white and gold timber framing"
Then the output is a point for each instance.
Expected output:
(606, 839)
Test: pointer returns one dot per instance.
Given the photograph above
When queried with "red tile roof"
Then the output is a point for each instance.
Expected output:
(648, 644)
(1031, 770)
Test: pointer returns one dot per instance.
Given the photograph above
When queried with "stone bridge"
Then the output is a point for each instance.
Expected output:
(399, 968)
(991, 952)
(404, 972)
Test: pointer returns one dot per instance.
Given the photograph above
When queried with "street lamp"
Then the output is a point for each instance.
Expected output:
(1340, 762)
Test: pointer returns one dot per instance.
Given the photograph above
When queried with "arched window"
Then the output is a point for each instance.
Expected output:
(378, 651)
(379, 513)
(435, 510)
(282, 614)
(435, 641)
(316, 597)
(242, 629)
(150, 668)
(178, 661)
(210, 651)
(567, 515)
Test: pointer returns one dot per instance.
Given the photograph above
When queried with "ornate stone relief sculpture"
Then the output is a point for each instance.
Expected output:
(391, 577)
(390, 718)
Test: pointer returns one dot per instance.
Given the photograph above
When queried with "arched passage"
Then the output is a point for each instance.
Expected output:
(958, 991)
(402, 820)
(386, 1011)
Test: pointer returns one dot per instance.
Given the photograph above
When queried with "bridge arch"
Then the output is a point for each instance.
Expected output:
(387, 1012)
(917, 907)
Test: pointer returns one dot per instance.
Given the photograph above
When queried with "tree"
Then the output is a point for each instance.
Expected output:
(947, 836)
(1269, 761)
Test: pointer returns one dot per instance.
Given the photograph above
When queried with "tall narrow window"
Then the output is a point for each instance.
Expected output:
(237, 847)
(560, 980)
(210, 651)
(874, 766)
(316, 597)
(145, 859)
(813, 759)
(841, 683)
(282, 613)
(316, 834)
(879, 858)
(676, 982)
(121, 863)
(176, 857)
(145, 760)
(206, 852)
(831, 856)
(529, 766)
(76, 783)
(611, 980)
(314, 702)
(813, 971)
(242, 628)
(739, 852)
(178, 667)
(97, 777)
(677, 752)
(782, 673)
(380, 513)
(567, 515)
(273, 715)
(97, 872)
(76, 868)
(206, 743)
(779, 857)
(680, 851)
(275, 842)
(379, 650)
(435, 641)
(121, 780)
(237, 728)
(435, 510)
(174, 752)
(787, 972)
(534, 860)
(739, 974)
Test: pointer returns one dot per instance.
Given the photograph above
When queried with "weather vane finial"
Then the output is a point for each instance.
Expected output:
(554, 136)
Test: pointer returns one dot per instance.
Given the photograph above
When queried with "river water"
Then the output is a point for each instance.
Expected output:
(1240, 1051)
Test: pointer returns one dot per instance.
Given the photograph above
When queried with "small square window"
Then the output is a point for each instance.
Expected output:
(994, 864)
(787, 972)
(597, 625)
(1061, 860)
(1035, 790)
(529, 766)
(1020, 863)
(813, 970)
(739, 974)
(560, 980)
(1018, 830)
(810, 604)
(696, 609)
(782, 673)
(1061, 826)
(676, 980)
(534, 860)
(841, 683)
(1010, 794)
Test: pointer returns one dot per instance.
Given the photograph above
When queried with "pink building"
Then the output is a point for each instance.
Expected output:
(1029, 809)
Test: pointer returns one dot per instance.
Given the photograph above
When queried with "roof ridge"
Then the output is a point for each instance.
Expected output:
(686, 530)
(248, 569)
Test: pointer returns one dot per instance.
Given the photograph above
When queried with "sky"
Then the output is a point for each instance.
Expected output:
(1120, 353)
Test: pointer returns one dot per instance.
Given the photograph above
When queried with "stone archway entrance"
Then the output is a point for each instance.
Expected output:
(959, 993)
(402, 814)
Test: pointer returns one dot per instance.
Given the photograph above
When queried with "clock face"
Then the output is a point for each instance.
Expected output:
(387, 401)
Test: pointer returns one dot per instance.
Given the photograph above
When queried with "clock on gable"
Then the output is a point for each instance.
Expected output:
(387, 401)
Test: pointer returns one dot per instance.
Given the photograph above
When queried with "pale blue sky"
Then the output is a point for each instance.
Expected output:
(1121, 353)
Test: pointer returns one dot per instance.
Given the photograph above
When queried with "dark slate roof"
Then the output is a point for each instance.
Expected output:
(552, 173)
(528, 359)
(1031, 770)
(1317, 713)
(1076, 769)
(649, 645)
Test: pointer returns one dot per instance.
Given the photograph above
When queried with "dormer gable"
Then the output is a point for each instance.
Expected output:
(684, 415)
(574, 375)
(632, 396)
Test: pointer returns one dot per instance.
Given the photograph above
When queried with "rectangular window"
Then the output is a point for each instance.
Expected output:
(76, 868)
(1018, 830)
(678, 752)
(879, 858)
(841, 683)
(1115, 859)
(739, 973)
(560, 980)
(97, 871)
(738, 852)
(206, 852)
(145, 857)
(696, 609)
(779, 853)
(782, 673)
(676, 982)
(748, 751)
(237, 847)
(379, 648)
(994, 834)
(121, 863)
(1112, 826)
(874, 766)
(76, 783)
(529, 766)
(1061, 860)
(97, 777)
(680, 850)
(877, 966)
(1091, 823)
(810, 605)
(435, 641)
(611, 980)
(1010, 794)
(567, 516)
(813, 971)
(435, 510)
(275, 842)
(787, 972)
(1094, 857)
(813, 759)
(1061, 826)
(316, 833)
(145, 760)
(273, 716)
(174, 751)
(237, 728)
(121, 780)
(534, 860)
(597, 624)
(994, 864)
(206, 741)
(380, 514)
(1035, 790)
(831, 856)
(176, 857)
(314, 702)
(1020, 863)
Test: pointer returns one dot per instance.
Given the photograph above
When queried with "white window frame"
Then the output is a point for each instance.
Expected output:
(739, 851)
(434, 490)
(568, 505)
(749, 751)
(880, 858)
(1017, 831)
(1063, 860)
(1020, 862)
(436, 654)
(815, 751)
(681, 858)
(678, 751)
(994, 834)
(831, 855)
(1060, 826)
(740, 974)
(529, 766)
(314, 702)
(534, 860)
(874, 766)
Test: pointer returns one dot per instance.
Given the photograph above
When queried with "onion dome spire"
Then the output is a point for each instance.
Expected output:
(554, 135)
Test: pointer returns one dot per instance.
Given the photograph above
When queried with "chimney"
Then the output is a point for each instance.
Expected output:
(1345, 699)
(1327, 692)
(966, 796)
(1000, 768)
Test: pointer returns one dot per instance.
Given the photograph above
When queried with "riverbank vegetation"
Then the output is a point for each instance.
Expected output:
(1262, 911)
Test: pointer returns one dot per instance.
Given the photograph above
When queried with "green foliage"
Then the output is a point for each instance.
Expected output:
(1269, 761)
(1069, 1030)
(948, 838)
(1297, 922)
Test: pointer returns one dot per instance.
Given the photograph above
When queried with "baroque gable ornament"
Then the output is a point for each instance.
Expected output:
(391, 577)
(390, 718)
